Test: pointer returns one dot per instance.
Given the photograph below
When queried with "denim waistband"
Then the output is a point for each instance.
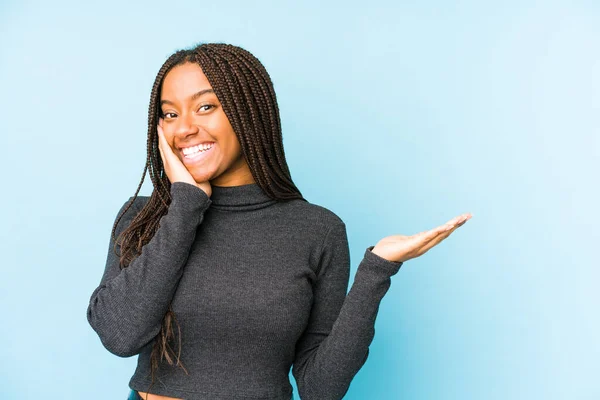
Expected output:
(134, 395)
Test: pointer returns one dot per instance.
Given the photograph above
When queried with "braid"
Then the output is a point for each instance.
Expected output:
(262, 127)
(246, 93)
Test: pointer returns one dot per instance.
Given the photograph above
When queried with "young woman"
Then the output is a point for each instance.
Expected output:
(225, 277)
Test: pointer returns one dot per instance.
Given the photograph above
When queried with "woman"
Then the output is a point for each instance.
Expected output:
(226, 277)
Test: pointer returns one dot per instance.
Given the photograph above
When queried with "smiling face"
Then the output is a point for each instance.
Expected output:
(192, 115)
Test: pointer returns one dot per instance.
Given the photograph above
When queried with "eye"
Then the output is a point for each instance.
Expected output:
(165, 115)
(206, 105)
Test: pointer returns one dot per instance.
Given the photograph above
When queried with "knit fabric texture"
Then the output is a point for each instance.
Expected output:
(257, 285)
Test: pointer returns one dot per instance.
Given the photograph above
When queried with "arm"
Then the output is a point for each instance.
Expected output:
(335, 344)
(127, 308)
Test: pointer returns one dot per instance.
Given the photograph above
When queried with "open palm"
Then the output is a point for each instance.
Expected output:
(400, 248)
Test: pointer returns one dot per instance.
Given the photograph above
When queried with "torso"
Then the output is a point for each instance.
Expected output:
(151, 396)
(280, 291)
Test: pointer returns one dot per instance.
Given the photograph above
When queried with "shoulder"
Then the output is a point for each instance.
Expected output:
(131, 207)
(137, 203)
(316, 215)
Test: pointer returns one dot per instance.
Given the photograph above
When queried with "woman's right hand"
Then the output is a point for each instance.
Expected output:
(174, 168)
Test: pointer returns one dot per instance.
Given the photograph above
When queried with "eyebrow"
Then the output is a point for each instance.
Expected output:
(192, 97)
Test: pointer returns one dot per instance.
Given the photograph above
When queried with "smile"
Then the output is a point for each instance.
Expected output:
(192, 155)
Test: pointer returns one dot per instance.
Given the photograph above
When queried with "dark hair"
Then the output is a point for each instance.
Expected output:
(246, 93)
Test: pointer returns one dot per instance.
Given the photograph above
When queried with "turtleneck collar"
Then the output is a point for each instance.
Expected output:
(242, 197)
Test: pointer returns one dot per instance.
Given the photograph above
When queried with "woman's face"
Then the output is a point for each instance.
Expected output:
(192, 115)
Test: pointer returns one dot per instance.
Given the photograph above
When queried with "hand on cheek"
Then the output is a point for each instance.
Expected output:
(176, 171)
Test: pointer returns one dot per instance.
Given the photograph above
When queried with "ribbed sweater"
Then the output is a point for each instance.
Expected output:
(257, 285)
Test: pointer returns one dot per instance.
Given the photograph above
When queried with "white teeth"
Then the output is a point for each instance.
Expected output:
(196, 149)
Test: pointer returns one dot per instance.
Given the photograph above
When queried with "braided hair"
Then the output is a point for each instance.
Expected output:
(245, 91)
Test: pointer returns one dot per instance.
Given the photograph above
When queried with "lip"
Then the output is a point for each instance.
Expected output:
(198, 158)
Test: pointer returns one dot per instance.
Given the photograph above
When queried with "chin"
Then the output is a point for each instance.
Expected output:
(202, 177)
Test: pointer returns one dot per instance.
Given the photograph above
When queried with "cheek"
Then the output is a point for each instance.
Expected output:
(228, 141)
(233, 149)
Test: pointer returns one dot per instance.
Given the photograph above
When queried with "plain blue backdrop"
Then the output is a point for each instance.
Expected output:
(396, 115)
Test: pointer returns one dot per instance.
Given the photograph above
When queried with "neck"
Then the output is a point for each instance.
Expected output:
(241, 197)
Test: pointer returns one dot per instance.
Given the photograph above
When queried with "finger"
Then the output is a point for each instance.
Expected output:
(443, 229)
(434, 242)
(163, 141)
(443, 235)
(428, 246)
(159, 131)
(457, 225)
(441, 232)
(425, 237)
(160, 137)
(161, 146)
(456, 221)
(168, 151)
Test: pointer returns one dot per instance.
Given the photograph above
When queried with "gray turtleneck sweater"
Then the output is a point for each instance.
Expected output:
(258, 286)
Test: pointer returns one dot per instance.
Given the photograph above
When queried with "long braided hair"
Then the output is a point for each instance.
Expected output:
(246, 93)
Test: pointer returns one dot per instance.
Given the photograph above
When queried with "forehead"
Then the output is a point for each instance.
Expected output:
(182, 81)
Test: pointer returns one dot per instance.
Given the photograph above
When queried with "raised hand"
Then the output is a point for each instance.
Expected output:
(400, 248)
(174, 168)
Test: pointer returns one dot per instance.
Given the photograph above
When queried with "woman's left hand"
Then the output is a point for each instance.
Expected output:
(400, 248)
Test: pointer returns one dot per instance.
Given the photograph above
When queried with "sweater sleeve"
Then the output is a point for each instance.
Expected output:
(127, 308)
(335, 344)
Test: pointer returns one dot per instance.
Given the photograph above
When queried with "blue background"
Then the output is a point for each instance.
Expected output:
(395, 116)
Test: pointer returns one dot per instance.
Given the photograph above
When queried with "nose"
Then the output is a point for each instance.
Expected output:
(185, 126)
